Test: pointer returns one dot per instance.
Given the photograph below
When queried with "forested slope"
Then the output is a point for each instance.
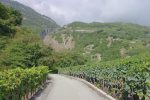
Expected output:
(19, 47)
(31, 19)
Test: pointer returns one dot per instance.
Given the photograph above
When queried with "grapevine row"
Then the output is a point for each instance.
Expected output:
(126, 79)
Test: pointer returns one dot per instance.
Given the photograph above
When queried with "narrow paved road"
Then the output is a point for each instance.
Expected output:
(64, 88)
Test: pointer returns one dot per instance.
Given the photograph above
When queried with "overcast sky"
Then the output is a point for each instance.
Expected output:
(66, 11)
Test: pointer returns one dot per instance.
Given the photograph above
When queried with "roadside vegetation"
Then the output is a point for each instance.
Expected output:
(122, 78)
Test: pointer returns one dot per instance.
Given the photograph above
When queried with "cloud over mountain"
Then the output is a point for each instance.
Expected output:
(66, 11)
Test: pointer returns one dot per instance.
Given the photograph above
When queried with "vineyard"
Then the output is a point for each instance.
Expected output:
(124, 79)
(18, 84)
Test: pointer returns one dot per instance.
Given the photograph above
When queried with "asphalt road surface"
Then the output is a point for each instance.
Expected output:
(66, 88)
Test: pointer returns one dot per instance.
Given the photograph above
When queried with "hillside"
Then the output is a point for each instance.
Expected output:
(19, 47)
(101, 41)
(31, 19)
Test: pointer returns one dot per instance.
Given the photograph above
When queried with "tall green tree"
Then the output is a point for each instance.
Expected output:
(9, 18)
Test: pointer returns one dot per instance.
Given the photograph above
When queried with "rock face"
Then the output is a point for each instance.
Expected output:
(67, 43)
(110, 40)
(148, 45)
(88, 48)
(123, 52)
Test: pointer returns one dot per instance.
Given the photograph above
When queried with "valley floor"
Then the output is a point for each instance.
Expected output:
(66, 88)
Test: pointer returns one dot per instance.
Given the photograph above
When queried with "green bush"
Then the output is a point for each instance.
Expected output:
(25, 54)
(16, 83)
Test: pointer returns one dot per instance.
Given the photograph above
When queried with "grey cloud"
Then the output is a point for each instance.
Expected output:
(66, 11)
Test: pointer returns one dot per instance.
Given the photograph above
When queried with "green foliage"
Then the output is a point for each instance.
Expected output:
(24, 48)
(17, 17)
(4, 12)
(16, 83)
(128, 75)
(24, 53)
(8, 20)
(3, 43)
(68, 60)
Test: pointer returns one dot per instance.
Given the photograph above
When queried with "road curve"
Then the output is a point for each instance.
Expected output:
(65, 88)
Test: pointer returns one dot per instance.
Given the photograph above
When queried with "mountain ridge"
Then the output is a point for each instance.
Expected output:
(32, 19)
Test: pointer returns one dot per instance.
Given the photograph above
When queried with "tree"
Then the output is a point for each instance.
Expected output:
(4, 12)
(9, 18)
